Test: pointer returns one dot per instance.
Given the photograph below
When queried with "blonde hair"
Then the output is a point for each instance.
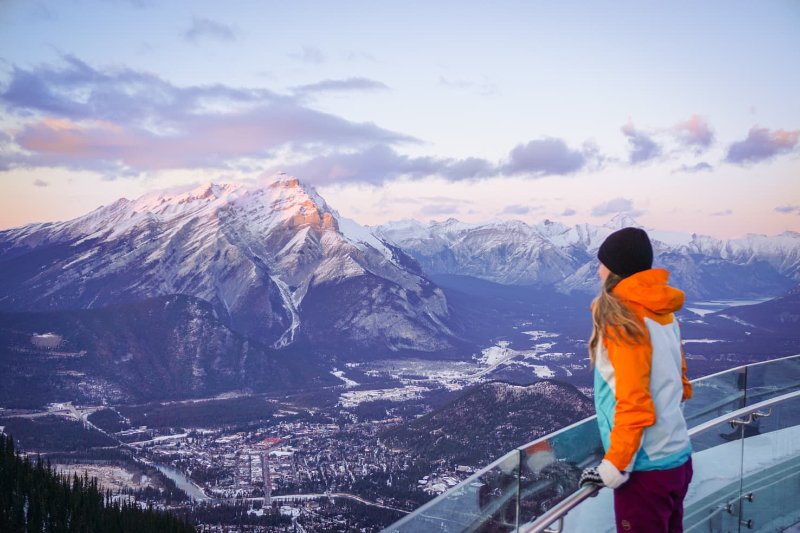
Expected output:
(612, 318)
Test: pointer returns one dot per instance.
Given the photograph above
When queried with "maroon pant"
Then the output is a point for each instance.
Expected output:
(651, 501)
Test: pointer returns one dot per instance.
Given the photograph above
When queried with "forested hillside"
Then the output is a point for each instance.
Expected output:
(34, 498)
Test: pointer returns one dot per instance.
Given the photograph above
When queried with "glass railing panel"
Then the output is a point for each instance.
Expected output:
(713, 502)
(716, 395)
(486, 501)
(772, 378)
(550, 468)
(771, 468)
(546, 472)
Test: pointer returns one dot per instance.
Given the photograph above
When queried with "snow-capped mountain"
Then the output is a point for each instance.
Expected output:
(504, 252)
(275, 262)
(513, 252)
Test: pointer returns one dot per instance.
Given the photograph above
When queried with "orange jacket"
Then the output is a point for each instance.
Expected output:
(639, 388)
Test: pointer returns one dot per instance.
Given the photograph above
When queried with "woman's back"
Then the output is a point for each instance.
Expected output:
(654, 366)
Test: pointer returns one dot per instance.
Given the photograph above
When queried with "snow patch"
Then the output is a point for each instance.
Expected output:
(349, 383)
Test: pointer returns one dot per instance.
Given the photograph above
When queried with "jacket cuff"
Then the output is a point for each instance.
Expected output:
(612, 477)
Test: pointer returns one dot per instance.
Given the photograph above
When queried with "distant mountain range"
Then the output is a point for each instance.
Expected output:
(554, 254)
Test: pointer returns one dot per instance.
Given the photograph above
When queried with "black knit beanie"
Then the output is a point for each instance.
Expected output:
(626, 252)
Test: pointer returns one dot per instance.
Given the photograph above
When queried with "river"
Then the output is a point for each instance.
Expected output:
(183, 483)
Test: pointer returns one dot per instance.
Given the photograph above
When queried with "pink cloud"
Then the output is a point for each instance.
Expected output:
(761, 145)
(695, 133)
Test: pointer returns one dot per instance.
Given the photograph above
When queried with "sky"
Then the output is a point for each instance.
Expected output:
(683, 115)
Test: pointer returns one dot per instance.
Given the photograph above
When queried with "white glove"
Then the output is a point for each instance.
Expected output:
(612, 478)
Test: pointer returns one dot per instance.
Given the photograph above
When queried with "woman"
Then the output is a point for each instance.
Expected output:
(639, 386)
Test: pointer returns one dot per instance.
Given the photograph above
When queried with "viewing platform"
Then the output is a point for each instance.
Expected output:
(744, 424)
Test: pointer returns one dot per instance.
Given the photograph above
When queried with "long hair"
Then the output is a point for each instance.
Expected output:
(612, 318)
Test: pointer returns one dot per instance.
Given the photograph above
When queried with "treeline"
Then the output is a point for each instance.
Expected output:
(240, 515)
(53, 433)
(201, 414)
(34, 498)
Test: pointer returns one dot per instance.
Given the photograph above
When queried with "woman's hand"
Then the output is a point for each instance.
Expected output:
(604, 475)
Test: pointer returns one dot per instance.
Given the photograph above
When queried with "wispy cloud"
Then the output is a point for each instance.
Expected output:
(617, 205)
(699, 167)
(203, 28)
(358, 56)
(761, 145)
(483, 88)
(40, 183)
(311, 55)
(568, 212)
(788, 208)
(438, 210)
(40, 11)
(345, 85)
(725, 213)
(517, 209)
(642, 147)
(694, 133)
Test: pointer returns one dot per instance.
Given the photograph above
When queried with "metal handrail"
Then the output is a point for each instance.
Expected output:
(565, 506)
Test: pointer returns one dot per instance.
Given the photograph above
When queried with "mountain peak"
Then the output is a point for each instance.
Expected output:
(622, 220)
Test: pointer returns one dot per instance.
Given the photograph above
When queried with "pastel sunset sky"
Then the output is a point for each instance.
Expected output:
(684, 115)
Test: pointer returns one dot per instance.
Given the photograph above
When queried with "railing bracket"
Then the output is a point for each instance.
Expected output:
(560, 527)
(726, 507)
(758, 415)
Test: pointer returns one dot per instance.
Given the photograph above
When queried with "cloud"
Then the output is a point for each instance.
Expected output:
(358, 56)
(349, 84)
(617, 205)
(694, 133)
(484, 88)
(546, 157)
(309, 54)
(699, 167)
(761, 145)
(203, 28)
(125, 121)
(39, 11)
(643, 147)
(725, 213)
(139, 4)
(425, 199)
(40, 183)
(516, 210)
(381, 162)
(437, 210)
(568, 212)
(787, 208)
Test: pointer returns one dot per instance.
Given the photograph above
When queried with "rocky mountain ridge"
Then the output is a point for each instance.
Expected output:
(552, 253)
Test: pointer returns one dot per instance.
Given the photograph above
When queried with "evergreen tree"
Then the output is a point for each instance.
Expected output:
(33, 498)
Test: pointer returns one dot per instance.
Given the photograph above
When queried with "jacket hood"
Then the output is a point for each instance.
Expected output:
(650, 290)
